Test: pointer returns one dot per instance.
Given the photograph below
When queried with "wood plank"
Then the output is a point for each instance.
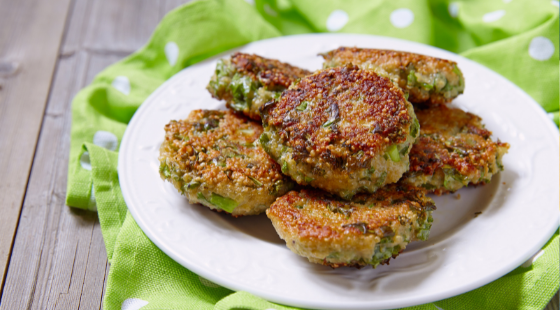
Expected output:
(125, 26)
(554, 302)
(169, 5)
(105, 284)
(96, 273)
(59, 258)
(51, 249)
(30, 36)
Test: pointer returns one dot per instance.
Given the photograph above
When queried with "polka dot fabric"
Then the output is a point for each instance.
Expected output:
(337, 19)
(402, 18)
(478, 29)
(142, 271)
(541, 48)
(496, 33)
(171, 53)
(133, 304)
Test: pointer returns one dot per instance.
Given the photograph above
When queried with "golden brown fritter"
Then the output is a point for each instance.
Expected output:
(210, 158)
(368, 230)
(247, 81)
(344, 130)
(453, 150)
(428, 80)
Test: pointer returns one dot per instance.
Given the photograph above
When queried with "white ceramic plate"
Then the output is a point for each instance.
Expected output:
(519, 207)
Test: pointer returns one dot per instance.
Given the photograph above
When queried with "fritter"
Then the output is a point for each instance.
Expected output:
(453, 150)
(368, 230)
(427, 80)
(210, 158)
(343, 130)
(247, 81)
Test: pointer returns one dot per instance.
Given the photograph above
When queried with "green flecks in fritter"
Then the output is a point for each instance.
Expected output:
(257, 182)
(335, 115)
(393, 153)
(243, 91)
(285, 167)
(460, 75)
(264, 140)
(411, 78)
(404, 150)
(415, 128)
(328, 123)
(164, 171)
(219, 201)
(429, 186)
(382, 252)
(302, 106)
(424, 226)
(439, 82)
(381, 179)
(499, 163)
(201, 197)
(451, 178)
(281, 186)
(192, 185)
(427, 86)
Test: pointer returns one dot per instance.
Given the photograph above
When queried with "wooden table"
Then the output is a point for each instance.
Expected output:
(52, 256)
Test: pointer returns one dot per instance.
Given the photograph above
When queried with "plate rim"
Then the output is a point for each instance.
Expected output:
(297, 301)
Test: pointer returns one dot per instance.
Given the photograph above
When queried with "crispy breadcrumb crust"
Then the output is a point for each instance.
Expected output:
(368, 230)
(429, 80)
(333, 130)
(212, 152)
(247, 81)
(453, 150)
(271, 73)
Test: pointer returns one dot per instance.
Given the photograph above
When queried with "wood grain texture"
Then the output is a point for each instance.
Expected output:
(58, 259)
(554, 302)
(30, 36)
(51, 250)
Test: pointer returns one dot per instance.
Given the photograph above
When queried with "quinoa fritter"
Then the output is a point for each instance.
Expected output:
(343, 130)
(210, 158)
(247, 81)
(453, 150)
(428, 80)
(368, 230)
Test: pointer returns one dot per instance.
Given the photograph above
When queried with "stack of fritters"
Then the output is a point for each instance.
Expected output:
(350, 132)
(453, 149)
(343, 130)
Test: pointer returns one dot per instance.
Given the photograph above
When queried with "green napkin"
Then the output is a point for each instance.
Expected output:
(499, 34)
